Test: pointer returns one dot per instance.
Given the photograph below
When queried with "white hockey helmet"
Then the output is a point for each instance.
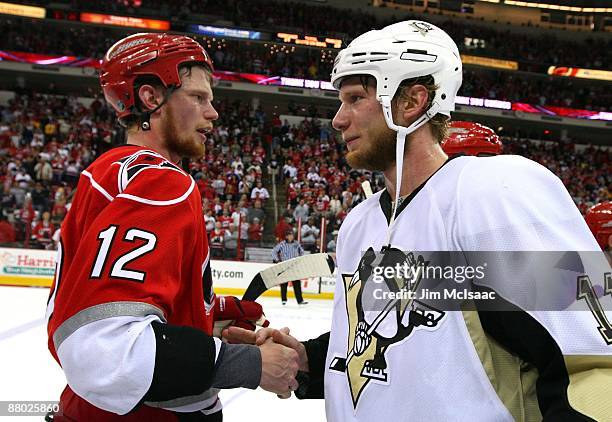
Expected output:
(404, 50)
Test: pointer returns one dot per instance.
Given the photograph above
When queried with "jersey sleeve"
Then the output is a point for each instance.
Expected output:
(312, 387)
(551, 320)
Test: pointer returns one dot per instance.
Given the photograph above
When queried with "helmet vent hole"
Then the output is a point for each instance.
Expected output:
(444, 96)
(456, 69)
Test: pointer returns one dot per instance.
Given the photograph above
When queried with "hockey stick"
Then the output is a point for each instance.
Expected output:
(315, 265)
(367, 189)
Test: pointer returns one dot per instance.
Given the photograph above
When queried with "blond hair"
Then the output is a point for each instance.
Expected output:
(440, 122)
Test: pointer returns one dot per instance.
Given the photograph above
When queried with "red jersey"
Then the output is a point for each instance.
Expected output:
(43, 231)
(134, 236)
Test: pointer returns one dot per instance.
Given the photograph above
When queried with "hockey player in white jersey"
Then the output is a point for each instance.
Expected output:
(399, 358)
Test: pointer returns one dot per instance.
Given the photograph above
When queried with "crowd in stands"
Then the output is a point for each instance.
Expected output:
(320, 184)
(585, 172)
(314, 19)
(46, 141)
(308, 63)
(549, 91)
(230, 178)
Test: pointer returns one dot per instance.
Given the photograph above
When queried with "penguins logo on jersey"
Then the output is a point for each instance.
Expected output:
(376, 324)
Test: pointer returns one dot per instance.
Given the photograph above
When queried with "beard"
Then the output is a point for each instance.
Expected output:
(378, 154)
(185, 146)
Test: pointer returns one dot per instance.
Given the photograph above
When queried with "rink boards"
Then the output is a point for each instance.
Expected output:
(33, 267)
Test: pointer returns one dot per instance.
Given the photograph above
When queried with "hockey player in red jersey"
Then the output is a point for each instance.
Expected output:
(131, 310)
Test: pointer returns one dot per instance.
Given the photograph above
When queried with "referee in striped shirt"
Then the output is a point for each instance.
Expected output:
(283, 251)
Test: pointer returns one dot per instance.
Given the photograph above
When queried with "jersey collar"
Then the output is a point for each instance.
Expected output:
(385, 199)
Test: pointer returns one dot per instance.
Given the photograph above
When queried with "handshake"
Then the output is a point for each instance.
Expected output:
(282, 356)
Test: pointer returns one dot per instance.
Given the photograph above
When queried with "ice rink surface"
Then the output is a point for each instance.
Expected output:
(28, 372)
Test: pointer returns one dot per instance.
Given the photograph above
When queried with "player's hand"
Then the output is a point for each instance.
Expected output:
(242, 336)
(279, 366)
(282, 337)
(237, 335)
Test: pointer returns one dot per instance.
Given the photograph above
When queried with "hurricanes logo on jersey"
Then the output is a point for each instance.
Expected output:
(134, 164)
(377, 324)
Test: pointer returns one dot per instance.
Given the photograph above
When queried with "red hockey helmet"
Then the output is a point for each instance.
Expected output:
(471, 139)
(599, 220)
(146, 54)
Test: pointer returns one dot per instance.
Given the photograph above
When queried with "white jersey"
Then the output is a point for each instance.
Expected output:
(447, 370)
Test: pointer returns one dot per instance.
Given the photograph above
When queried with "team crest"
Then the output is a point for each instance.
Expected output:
(422, 27)
(376, 323)
(134, 164)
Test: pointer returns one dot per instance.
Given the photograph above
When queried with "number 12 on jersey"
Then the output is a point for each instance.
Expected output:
(118, 270)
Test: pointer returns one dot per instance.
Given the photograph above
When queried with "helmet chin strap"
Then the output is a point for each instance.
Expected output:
(402, 133)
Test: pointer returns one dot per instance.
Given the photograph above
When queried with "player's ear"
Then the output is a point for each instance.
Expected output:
(412, 102)
(150, 96)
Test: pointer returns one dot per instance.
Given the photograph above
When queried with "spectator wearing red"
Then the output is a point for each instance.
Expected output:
(217, 240)
(255, 232)
(27, 210)
(44, 229)
(7, 231)
(225, 219)
(282, 228)
(59, 212)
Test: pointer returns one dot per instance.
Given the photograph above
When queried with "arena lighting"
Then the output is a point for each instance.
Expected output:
(483, 102)
(490, 62)
(22, 10)
(89, 63)
(306, 83)
(309, 40)
(45, 59)
(128, 21)
(578, 72)
(220, 31)
(558, 7)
